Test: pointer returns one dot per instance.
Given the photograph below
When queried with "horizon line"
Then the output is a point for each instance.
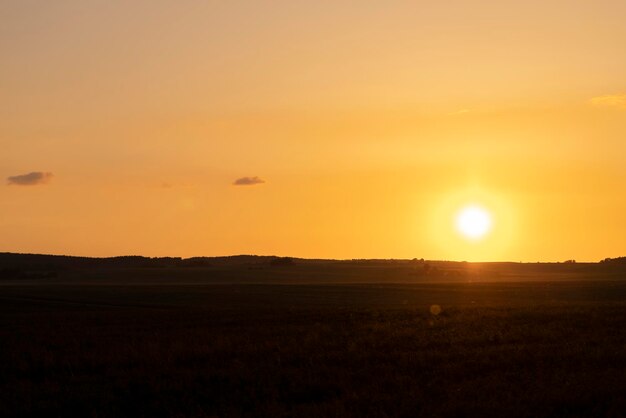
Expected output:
(570, 261)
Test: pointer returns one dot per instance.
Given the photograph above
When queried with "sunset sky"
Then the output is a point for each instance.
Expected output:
(313, 129)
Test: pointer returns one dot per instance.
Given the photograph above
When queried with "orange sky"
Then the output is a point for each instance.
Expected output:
(370, 127)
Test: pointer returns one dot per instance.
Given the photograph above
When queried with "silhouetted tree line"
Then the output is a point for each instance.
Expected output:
(617, 260)
(21, 265)
(62, 262)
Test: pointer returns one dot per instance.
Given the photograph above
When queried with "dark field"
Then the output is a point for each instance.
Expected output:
(313, 340)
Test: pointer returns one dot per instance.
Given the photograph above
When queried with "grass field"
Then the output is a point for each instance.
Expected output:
(302, 342)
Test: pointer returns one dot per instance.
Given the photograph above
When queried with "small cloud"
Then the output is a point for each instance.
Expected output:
(176, 185)
(248, 181)
(610, 100)
(30, 179)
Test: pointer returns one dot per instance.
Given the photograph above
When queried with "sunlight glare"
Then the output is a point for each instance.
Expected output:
(473, 222)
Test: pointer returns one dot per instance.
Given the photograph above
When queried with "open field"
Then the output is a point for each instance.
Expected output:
(300, 341)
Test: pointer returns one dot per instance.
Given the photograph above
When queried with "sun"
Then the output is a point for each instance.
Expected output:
(473, 222)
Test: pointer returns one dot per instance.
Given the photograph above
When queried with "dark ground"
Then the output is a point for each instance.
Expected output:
(314, 340)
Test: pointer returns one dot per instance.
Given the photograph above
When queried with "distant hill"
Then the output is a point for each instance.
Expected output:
(14, 265)
(43, 261)
(272, 268)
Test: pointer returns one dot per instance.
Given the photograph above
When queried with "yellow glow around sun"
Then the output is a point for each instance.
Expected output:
(473, 222)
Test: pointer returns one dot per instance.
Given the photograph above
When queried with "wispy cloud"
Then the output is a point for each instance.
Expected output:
(610, 100)
(248, 181)
(30, 179)
(459, 112)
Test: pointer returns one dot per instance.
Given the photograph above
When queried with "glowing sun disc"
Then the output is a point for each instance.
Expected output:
(473, 222)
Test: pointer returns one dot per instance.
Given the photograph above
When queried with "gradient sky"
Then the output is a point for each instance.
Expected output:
(355, 129)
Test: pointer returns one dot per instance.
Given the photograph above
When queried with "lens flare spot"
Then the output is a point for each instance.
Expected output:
(435, 309)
